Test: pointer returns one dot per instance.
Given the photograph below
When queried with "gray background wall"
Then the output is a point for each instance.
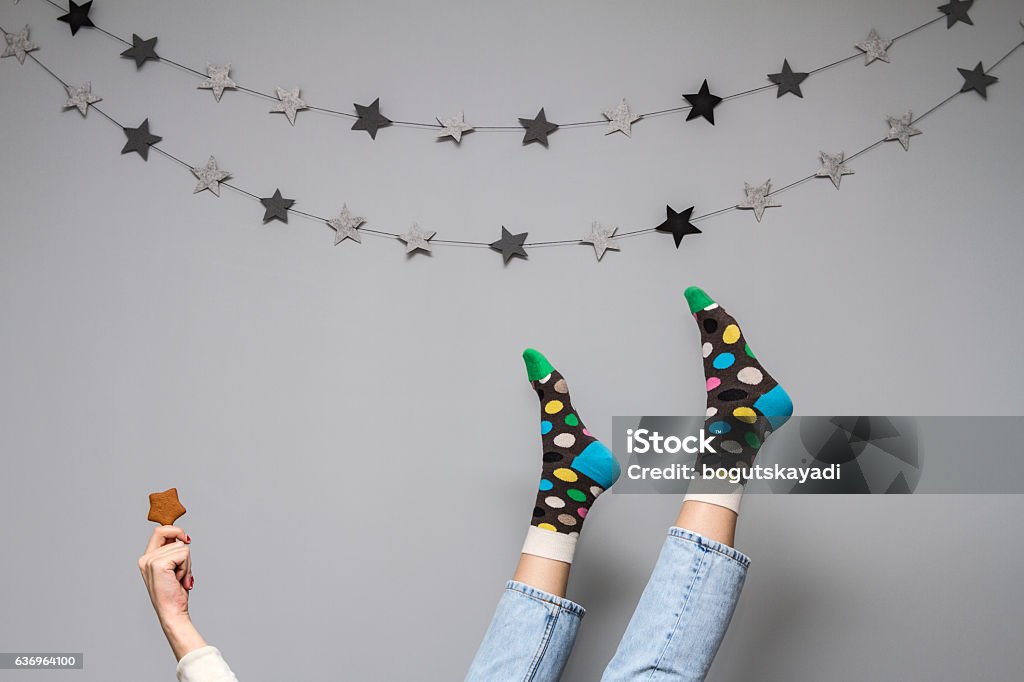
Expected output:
(352, 431)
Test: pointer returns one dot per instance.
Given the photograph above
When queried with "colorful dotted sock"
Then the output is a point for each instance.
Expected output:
(577, 467)
(745, 404)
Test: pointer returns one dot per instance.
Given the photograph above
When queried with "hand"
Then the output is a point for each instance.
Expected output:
(166, 568)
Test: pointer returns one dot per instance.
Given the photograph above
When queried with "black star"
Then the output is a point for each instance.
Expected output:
(787, 80)
(141, 50)
(702, 103)
(139, 140)
(277, 207)
(538, 129)
(976, 79)
(678, 224)
(510, 244)
(370, 118)
(956, 10)
(77, 16)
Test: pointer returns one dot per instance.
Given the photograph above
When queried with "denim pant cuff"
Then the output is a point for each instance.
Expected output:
(561, 602)
(710, 545)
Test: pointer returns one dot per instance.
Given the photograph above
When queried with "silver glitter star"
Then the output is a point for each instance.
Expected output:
(832, 167)
(901, 129)
(417, 238)
(758, 198)
(874, 48)
(18, 45)
(454, 126)
(210, 177)
(219, 80)
(620, 118)
(290, 103)
(600, 237)
(346, 225)
(80, 97)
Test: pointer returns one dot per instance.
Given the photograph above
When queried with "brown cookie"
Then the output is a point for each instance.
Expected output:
(164, 508)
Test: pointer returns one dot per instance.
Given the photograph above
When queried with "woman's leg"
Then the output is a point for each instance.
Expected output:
(686, 607)
(534, 627)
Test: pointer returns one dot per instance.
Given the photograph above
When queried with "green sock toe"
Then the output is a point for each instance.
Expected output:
(537, 366)
(697, 298)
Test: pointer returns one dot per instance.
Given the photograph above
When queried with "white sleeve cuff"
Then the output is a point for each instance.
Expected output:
(204, 665)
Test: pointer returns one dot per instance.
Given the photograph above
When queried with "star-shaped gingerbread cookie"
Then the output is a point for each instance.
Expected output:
(165, 508)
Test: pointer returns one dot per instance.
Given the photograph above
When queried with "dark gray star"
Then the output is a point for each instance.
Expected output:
(276, 207)
(703, 103)
(141, 50)
(678, 224)
(77, 16)
(956, 10)
(370, 118)
(510, 244)
(538, 129)
(976, 79)
(788, 80)
(139, 140)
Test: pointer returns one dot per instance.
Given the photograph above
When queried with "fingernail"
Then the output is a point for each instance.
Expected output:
(191, 581)
(187, 538)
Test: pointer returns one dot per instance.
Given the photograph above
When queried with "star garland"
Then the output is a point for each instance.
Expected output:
(758, 197)
(620, 118)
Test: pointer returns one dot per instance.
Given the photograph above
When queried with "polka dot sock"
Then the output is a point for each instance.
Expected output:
(577, 467)
(745, 404)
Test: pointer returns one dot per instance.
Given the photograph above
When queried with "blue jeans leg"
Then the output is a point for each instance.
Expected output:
(529, 639)
(683, 613)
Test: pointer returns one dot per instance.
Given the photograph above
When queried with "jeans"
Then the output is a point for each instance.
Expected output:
(674, 634)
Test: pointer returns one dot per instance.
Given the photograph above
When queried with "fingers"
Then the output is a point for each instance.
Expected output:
(164, 534)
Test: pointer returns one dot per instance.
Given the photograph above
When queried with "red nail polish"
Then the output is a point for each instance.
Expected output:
(187, 538)
(191, 581)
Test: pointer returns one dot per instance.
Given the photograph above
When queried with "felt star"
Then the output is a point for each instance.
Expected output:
(538, 129)
(346, 226)
(290, 103)
(165, 508)
(370, 119)
(218, 79)
(956, 10)
(874, 48)
(600, 236)
(788, 80)
(901, 129)
(80, 97)
(976, 79)
(139, 140)
(141, 51)
(678, 224)
(417, 238)
(620, 119)
(702, 103)
(758, 198)
(210, 177)
(77, 16)
(18, 45)
(454, 126)
(832, 167)
(276, 207)
(510, 244)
